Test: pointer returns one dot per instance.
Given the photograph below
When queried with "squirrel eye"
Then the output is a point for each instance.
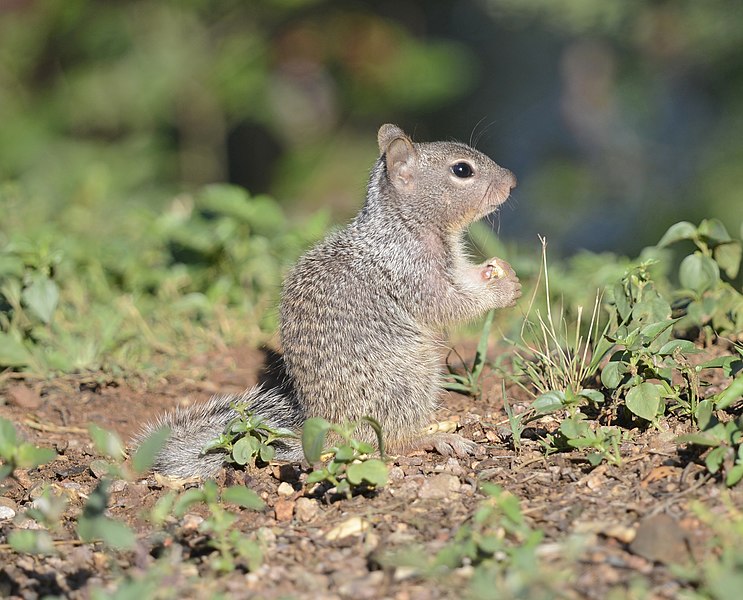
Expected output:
(462, 169)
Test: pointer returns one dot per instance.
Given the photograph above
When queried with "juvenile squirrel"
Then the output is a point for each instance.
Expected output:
(361, 311)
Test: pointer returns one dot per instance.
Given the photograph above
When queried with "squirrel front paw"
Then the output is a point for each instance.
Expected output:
(451, 444)
(497, 273)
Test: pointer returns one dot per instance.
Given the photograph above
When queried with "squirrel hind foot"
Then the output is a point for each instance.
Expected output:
(450, 444)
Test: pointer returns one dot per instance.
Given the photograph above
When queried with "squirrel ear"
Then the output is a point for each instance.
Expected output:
(400, 154)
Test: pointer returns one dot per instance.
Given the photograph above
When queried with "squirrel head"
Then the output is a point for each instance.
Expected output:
(446, 183)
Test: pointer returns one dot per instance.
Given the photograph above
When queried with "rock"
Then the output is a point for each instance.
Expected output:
(352, 526)
(6, 513)
(191, 521)
(659, 538)
(439, 487)
(23, 397)
(285, 489)
(284, 509)
(306, 509)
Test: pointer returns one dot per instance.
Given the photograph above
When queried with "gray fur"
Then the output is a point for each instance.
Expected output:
(361, 312)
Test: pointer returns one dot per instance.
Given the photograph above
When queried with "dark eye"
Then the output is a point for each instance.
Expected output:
(462, 169)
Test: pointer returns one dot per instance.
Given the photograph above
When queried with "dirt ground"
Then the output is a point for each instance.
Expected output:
(627, 521)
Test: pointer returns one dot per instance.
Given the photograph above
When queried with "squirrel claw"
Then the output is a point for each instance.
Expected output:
(451, 444)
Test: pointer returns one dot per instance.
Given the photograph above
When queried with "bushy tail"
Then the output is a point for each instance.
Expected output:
(193, 427)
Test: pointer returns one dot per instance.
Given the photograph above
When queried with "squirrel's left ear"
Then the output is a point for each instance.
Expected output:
(400, 155)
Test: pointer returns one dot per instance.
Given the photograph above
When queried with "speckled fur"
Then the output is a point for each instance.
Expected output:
(361, 312)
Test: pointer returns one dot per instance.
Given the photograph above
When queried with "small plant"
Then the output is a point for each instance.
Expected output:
(497, 543)
(469, 382)
(349, 466)
(233, 546)
(558, 359)
(247, 437)
(19, 455)
(710, 303)
(577, 433)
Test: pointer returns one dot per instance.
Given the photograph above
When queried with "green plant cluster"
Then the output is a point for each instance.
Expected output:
(100, 299)
(637, 368)
(349, 467)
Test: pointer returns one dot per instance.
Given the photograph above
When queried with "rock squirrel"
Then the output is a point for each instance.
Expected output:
(361, 311)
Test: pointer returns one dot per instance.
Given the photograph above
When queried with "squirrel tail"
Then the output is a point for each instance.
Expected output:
(193, 427)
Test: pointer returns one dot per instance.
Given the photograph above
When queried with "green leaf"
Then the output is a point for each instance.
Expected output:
(679, 231)
(715, 458)
(316, 476)
(186, 500)
(106, 442)
(344, 454)
(29, 456)
(12, 352)
(624, 308)
(699, 439)
(149, 448)
(703, 413)
(685, 346)
(728, 256)
(113, 534)
(373, 471)
(266, 452)
(313, 438)
(549, 402)
(593, 395)
(698, 272)
(8, 439)
(41, 297)
(714, 230)
(734, 475)
(245, 449)
(482, 346)
(28, 541)
(613, 374)
(377, 427)
(243, 496)
(730, 394)
(573, 428)
(644, 400)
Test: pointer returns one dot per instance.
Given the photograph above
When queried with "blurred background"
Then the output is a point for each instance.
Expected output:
(619, 117)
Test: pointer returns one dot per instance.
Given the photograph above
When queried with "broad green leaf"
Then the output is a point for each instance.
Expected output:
(644, 400)
(714, 230)
(612, 374)
(266, 452)
(149, 448)
(699, 439)
(28, 541)
(344, 454)
(373, 471)
(734, 475)
(593, 395)
(698, 272)
(549, 402)
(12, 352)
(703, 413)
(245, 449)
(243, 496)
(679, 231)
(574, 428)
(685, 346)
(728, 256)
(316, 476)
(731, 394)
(313, 438)
(41, 297)
(29, 456)
(8, 439)
(163, 508)
(722, 362)
(715, 458)
(106, 442)
(114, 534)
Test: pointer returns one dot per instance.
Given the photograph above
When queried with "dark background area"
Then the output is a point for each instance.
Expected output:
(619, 118)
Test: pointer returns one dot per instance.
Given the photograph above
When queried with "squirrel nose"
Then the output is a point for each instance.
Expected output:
(510, 179)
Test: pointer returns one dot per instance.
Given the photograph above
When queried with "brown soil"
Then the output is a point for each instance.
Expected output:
(631, 520)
